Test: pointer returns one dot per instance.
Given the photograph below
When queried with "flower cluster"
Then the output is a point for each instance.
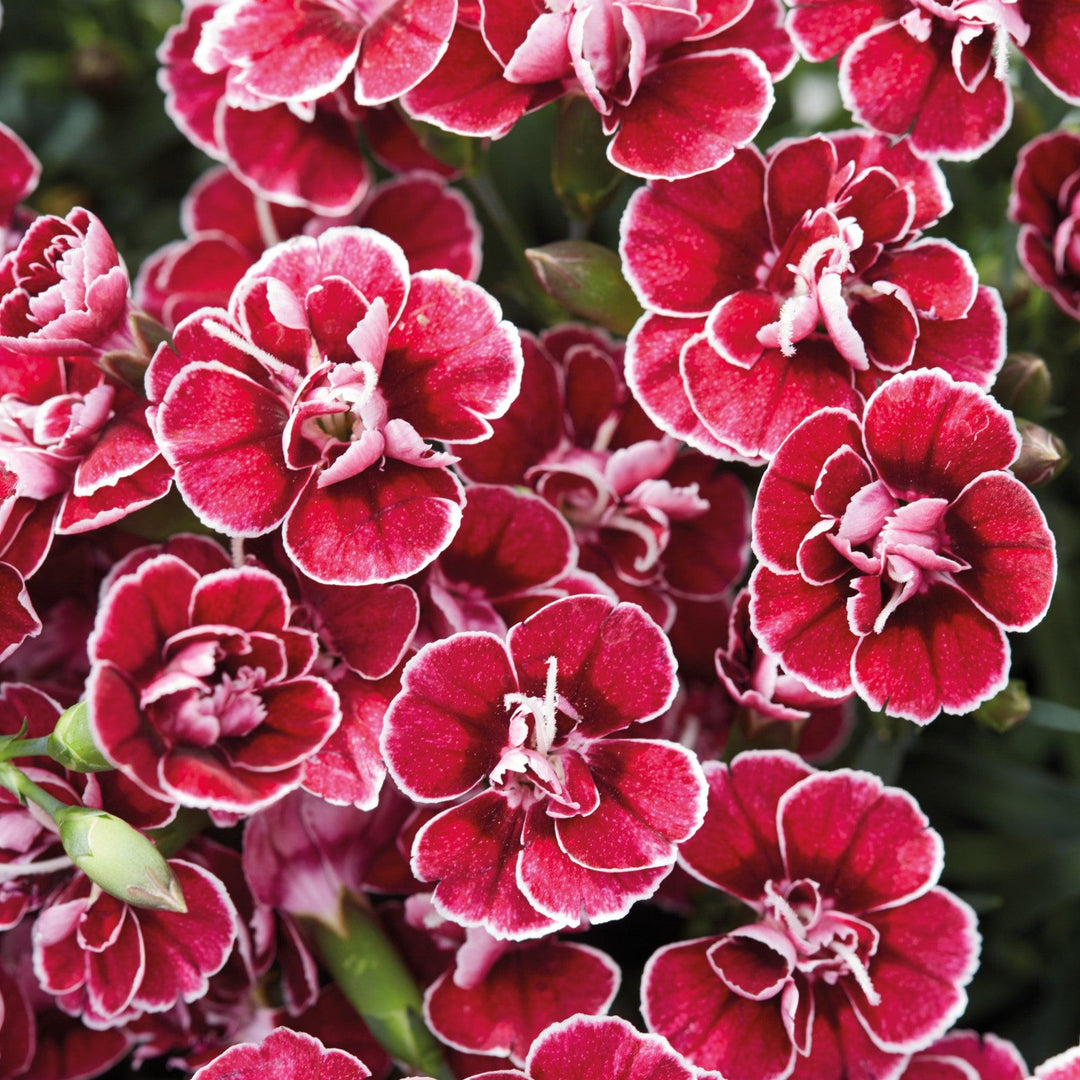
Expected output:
(363, 650)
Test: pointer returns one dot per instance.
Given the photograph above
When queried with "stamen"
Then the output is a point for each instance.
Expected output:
(858, 971)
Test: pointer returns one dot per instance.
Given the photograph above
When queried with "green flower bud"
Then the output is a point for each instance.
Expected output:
(1042, 454)
(584, 179)
(586, 278)
(119, 858)
(1023, 384)
(1006, 708)
(72, 744)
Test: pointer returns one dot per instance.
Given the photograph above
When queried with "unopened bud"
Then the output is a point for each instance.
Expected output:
(1006, 708)
(119, 858)
(460, 152)
(1042, 454)
(72, 745)
(1023, 384)
(587, 279)
(583, 178)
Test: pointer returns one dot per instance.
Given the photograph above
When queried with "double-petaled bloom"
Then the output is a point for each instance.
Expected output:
(937, 69)
(1045, 203)
(272, 88)
(555, 819)
(313, 400)
(680, 83)
(896, 550)
(200, 690)
(855, 959)
(782, 284)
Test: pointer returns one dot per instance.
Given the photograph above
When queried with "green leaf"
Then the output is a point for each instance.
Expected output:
(1049, 714)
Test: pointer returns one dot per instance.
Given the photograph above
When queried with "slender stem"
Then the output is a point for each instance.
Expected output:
(21, 786)
(26, 748)
(579, 229)
(527, 289)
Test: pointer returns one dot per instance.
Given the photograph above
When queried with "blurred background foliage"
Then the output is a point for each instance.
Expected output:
(78, 82)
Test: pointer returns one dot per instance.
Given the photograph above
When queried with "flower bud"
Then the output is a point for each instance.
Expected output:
(1023, 384)
(119, 858)
(581, 174)
(1006, 708)
(586, 278)
(1042, 454)
(71, 743)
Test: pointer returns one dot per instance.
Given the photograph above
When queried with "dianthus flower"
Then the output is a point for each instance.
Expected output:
(855, 959)
(680, 83)
(896, 550)
(312, 402)
(937, 68)
(561, 821)
(782, 284)
(1045, 203)
(966, 1055)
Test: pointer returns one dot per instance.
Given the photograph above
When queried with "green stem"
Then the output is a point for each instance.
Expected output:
(371, 974)
(21, 786)
(25, 748)
(526, 288)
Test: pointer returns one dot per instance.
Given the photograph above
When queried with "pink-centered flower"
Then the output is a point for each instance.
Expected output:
(200, 689)
(896, 550)
(64, 290)
(651, 520)
(587, 1047)
(561, 820)
(107, 961)
(937, 69)
(313, 402)
(778, 285)
(227, 227)
(855, 959)
(274, 89)
(1045, 203)
(680, 83)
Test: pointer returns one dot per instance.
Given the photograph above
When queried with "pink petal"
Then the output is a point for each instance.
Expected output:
(755, 410)
(937, 651)
(737, 848)
(687, 245)
(804, 480)
(609, 684)
(996, 526)
(652, 797)
(378, 526)
(401, 47)
(876, 850)
(481, 889)
(447, 728)
(928, 952)
(283, 1054)
(806, 626)
(1051, 46)
(929, 436)
(939, 278)
(970, 349)
(691, 114)
(685, 1000)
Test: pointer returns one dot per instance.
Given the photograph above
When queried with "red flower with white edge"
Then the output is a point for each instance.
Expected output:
(64, 290)
(312, 403)
(937, 69)
(856, 958)
(680, 84)
(109, 962)
(199, 687)
(896, 550)
(652, 521)
(228, 227)
(283, 1052)
(779, 285)
(562, 821)
(966, 1055)
(19, 174)
(1045, 203)
(587, 1047)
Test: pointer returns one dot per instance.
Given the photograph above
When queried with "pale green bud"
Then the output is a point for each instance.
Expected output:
(71, 743)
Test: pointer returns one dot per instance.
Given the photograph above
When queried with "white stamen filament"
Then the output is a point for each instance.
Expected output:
(543, 712)
(858, 971)
(230, 337)
(788, 917)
